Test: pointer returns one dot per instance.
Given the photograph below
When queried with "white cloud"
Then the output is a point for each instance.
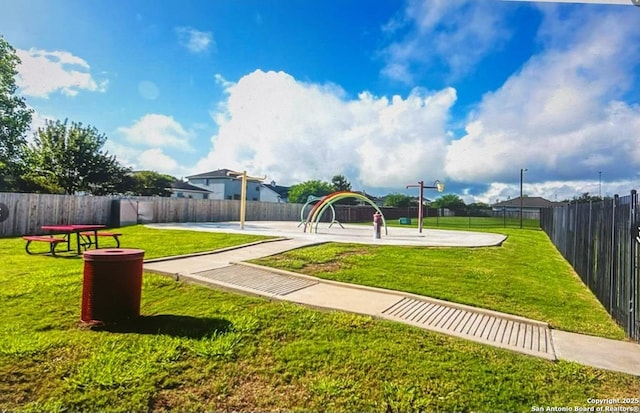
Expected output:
(42, 73)
(194, 40)
(457, 34)
(126, 154)
(293, 131)
(154, 130)
(562, 116)
(150, 159)
(156, 160)
(554, 190)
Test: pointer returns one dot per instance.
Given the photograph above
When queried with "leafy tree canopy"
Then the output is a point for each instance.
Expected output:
(449, 201)
(15, 119)
(148, 183)
(478, 206)
(69, 158)
(340, 183)
(300, 192)
(399, 200)
(585, 198)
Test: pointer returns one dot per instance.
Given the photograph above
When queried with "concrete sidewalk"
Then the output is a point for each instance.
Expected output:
(226, 270)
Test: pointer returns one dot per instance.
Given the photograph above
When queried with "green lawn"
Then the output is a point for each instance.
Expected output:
(199, 349)
(526, 276)
(477, 222)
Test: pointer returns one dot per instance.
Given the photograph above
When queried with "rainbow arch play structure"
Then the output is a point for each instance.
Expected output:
(313, 218)
(312, 199)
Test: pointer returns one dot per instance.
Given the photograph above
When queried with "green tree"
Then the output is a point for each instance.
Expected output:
(399, 200)
(585, 198)
(149, 183)
(340, 183)
(479, 209)
(15, 119)
(69, 158)
(450, 201)
(299, 193)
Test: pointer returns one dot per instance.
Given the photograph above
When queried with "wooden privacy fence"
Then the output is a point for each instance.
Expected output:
(28, 212)
(203, 210)
(600, 240)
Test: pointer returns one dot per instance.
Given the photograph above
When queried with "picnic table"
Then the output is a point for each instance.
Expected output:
(82, 234)
(86, 236)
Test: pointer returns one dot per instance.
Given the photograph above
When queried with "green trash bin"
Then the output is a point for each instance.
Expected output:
(405, 221)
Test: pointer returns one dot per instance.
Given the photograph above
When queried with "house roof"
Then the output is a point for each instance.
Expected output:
(212, 174)
(527, 202)
(219, 173)
(184, 186)
(283, 191)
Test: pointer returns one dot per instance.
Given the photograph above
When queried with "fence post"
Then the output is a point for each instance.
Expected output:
(575, 233)
(613, 252)
(634, 270)
(589, 247)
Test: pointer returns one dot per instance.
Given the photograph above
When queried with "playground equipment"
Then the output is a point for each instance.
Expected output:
(311, 199)
(436, 185)
(326, 202)
(377, 220)
(243, 192)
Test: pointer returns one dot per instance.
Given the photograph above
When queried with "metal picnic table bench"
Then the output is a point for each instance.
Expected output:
(86, 236)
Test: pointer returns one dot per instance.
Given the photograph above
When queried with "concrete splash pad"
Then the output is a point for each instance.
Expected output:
(358, 234)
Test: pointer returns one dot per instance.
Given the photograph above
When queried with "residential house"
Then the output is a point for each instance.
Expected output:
(530, 204)
(226, 184)
(180, 189)
(274, 193)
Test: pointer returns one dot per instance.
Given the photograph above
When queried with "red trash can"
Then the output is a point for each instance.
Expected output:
(112, 285)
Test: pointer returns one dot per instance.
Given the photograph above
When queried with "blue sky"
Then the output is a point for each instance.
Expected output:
(387, 93)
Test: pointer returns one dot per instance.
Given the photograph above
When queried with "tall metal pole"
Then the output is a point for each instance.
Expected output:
(420, 210)
(437, 185)
(600, 185)
(522, 171)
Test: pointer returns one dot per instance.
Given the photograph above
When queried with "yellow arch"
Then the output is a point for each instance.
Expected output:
(336, 196)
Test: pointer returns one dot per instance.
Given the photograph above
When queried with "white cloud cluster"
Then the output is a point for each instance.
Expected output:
(293, 131)
(553, 190)
(562, 115)
(142, 145)
(195, 41)
(42, 73)
(565, 115)
(457, 34)
(153, 159)
(155, 130)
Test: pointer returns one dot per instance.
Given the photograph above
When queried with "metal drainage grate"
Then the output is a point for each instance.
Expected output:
(257, 279)
(504, 332)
